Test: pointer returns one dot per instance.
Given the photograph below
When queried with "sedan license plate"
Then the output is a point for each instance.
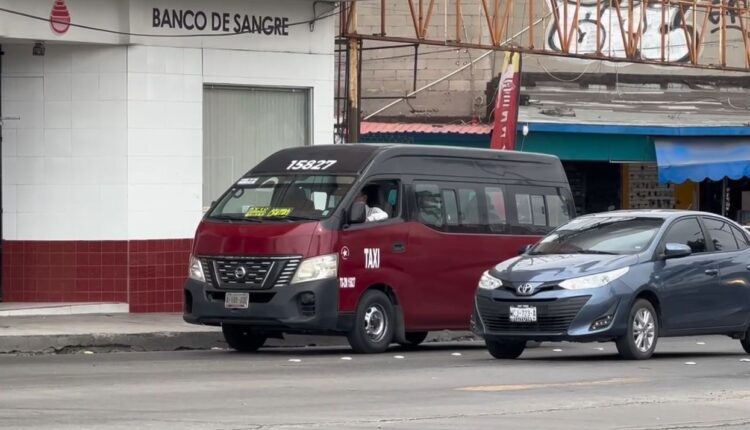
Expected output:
(522, 314)
(236, 300)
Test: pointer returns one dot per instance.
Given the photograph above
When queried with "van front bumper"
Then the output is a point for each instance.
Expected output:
(283, 309)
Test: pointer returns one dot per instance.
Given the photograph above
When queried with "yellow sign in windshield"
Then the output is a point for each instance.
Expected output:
(268, 212)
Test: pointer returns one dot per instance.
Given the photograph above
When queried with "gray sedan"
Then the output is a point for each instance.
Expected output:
(625, 276)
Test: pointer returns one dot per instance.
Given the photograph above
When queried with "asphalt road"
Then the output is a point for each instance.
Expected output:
(445, 386)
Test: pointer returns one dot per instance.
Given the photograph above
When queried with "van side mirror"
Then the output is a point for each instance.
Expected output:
(676, 250)
(358, 213)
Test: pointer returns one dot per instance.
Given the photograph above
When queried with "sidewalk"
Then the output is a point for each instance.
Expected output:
(49, 334)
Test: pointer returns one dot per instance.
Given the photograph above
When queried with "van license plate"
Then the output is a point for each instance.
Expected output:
(236, 300)
(522, 314)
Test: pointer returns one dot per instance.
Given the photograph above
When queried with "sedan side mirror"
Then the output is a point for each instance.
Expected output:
(358, 213)
(522, 250)
(676, 250)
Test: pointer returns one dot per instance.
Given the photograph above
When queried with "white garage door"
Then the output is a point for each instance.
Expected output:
(243, 125)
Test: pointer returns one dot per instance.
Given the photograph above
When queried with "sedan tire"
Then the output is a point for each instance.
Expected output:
(746, 341)
(639, 342)
(505, 350)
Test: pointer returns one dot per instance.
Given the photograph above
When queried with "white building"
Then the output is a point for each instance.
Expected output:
(114, 141)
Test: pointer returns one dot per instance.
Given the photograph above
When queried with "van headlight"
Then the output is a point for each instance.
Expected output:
(489, 282)
(317, 268)
(196, 270)
(593, 281)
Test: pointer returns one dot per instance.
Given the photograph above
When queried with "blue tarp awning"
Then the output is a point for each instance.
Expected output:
(698, 159)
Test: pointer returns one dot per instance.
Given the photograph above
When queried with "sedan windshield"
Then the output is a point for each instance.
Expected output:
(290, 197)
(600, 235)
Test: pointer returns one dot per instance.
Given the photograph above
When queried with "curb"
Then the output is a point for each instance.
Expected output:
(170, 341)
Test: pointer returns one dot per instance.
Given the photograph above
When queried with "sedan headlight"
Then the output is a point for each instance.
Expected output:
(593, 281)
(489, 282)
(316, 268)
(196, 270)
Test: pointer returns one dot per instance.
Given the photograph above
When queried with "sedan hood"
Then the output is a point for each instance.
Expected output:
(557, 267)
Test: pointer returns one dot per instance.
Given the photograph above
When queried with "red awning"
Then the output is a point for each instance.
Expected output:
(398, 127)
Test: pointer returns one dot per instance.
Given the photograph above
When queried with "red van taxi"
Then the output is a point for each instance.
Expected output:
(381, 243)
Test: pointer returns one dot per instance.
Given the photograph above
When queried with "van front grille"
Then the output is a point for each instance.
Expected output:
(254, 273)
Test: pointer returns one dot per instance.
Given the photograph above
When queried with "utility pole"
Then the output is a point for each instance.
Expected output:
(353, 66)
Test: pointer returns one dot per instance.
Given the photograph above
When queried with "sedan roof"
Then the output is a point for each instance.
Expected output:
(664, 214)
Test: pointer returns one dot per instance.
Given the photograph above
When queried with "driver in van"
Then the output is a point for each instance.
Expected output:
(373, 213)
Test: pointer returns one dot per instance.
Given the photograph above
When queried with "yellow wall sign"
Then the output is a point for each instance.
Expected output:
(266, 212)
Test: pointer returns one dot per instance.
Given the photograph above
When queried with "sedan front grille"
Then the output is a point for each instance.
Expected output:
(254, 273)
(553, 316)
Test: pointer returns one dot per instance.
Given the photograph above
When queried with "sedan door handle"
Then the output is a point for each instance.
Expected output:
(712, 272)
(399, 247)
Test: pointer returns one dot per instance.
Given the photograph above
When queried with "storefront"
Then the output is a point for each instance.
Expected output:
(609, 167)
(721, 165)
(122, 121)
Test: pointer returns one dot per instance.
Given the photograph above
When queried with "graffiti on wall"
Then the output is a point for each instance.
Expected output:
(588, 29)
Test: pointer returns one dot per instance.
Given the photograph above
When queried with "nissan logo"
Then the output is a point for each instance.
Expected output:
(526, 289)
(240, 273)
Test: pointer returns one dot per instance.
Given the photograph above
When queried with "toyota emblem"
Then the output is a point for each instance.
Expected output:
(526, 289)
(240, 273)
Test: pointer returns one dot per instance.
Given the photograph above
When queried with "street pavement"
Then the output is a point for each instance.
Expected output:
(691, 383)
(65, 334)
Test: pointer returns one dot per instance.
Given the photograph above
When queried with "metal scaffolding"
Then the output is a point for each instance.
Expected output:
(684, 33)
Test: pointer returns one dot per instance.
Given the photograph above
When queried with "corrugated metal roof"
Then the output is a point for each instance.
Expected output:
(367, 127)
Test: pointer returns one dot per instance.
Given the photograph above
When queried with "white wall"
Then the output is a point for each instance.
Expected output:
(165, 142)
(65, 160)
(109, 144)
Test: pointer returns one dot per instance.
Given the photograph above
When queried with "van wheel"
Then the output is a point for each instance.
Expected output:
(414, 338)
(639, 342)
(746, 341)
(505, 350)
(373, 324)
(241, 338)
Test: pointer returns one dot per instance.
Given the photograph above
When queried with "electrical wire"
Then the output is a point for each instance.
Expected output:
(126, 33)
(551, 75)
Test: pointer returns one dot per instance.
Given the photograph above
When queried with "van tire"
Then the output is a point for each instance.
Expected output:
(746, 341)
(374, 324)
(241, 338)
(627, 345)
(414, 338)
(505, 350)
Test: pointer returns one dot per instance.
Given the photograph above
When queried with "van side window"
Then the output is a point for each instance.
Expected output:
(557, 210)
(382, 196)
(523, 209)
(496, 216)
(429, 205)
(538, 210)
(451, 207)
(469, 205)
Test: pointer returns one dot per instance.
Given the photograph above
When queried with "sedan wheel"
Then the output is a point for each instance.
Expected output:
(639, 342)
(746, 341)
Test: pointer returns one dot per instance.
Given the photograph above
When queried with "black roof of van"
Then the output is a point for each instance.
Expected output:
(355, 158)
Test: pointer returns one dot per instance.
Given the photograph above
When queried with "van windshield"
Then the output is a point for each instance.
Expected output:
(283, 197)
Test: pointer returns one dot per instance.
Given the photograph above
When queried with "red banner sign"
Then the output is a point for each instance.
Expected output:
(506, 104)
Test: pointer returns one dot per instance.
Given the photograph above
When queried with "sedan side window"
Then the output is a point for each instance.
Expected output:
(687, 232)
(721, 235)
